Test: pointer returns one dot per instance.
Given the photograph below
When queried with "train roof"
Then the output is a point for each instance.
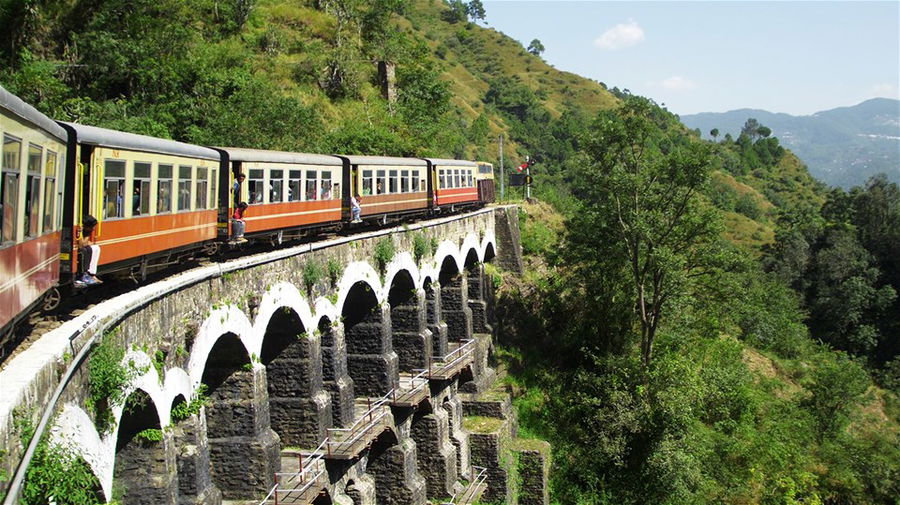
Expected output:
(17, 107)
(385, 160)
(451, 163)
(103, 137)
(250, 155)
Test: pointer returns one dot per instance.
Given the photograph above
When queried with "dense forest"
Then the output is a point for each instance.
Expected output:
(699, 322)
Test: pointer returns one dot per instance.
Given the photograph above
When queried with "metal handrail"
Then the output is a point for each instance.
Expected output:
(305, 466)
(352, 430)
(474, 482)
(448, 360)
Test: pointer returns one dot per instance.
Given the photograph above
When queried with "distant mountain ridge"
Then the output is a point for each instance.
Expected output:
(842, 146)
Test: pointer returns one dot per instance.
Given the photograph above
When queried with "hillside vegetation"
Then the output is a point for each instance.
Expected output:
(699, 322)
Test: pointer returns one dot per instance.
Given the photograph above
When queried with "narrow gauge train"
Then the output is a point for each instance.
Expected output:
(158, 202)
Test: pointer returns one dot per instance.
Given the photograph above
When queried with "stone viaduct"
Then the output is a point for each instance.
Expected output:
(353, 371)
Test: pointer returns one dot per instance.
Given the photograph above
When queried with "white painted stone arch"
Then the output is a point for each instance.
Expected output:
(445, 249)
(281, 295)
(402, 261)
(359, 271)
(489, 240)
(75, 431)
(177, 382)
(324, 308)
(221, 321)
(470, 243)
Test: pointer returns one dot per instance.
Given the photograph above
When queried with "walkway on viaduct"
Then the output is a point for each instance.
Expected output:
(331, 372)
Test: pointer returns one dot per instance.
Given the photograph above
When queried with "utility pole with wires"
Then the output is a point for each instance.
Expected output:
(502, 171)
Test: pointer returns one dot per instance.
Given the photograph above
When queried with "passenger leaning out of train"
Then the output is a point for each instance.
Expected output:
(355, 208)
(237, 223)
(236, 190)
(90, 253)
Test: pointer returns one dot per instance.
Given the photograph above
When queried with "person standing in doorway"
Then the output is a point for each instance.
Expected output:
(90, 253)
(355, 209)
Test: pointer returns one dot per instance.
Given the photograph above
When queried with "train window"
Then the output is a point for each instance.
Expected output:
(33, 191)
(380, 184)
(140, 198)
(295, 194)
(256, 186)
(441, 184)
(392, 181)
(214, 177)
(415, 181)
(311, 185)
(276, 186)
(49, 191)
(202, 193)
(9, 188)
(469, 175)
(367, 182)
(404, 181)
(185, 174)
(325, 191)
(164, 189)
(113, 189)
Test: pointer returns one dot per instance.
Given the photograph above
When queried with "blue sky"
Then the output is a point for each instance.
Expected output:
(797, 57)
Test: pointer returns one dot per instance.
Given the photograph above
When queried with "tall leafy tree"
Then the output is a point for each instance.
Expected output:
(641, 196)
(536, 47)
(475, 10)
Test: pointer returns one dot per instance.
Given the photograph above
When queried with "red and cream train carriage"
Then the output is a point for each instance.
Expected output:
(454, 183)
(31, 189)
(287, 193)
(155, 200)
(388, 186)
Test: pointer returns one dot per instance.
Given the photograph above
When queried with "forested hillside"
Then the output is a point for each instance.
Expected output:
(700, 322)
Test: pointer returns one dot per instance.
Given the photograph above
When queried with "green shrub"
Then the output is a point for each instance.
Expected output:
(384, 253)
(312, 274)
(420, 247)
(108, 377)
(335, 269)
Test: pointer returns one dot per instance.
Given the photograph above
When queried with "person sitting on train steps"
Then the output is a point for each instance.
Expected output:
(238, 224)
(355, 209)
(236, 190)
(90, 253)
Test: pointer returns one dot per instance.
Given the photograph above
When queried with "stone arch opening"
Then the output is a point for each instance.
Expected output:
(476, 299)
(410, 338)
(391, 463)
(371, 360)
(489, 253)
(299, 407)
(454, 297)
(335, 379)
(145, 470)
(244, 451)
(433, 317)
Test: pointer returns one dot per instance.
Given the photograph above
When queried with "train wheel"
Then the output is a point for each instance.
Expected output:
(52, 299)
(211, 248)
(277, 239)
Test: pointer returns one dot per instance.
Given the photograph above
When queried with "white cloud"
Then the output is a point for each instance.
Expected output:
(678, 83)
(620, 36)
(884, 90)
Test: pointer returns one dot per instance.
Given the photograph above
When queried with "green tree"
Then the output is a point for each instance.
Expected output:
(714, 133)
(536, 47)
(750, 128)
(641, 196)
(475, 10)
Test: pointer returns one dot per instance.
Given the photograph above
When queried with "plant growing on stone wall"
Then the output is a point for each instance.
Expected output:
(420, 247)
(434, 245)
(57, 475)
(333, 298)
(335, 269)
(150, 435)
(312, 274)
(185, 410)
(384, 253)
(108, 377)
(247, 367)
(494, 273)
(159, 363)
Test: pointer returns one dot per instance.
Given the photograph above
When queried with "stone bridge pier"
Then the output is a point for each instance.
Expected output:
(348, 382)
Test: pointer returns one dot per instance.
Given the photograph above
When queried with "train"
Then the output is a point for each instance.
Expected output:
(157, 202)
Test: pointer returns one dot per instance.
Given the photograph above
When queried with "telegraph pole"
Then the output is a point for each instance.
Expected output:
(502, 172)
